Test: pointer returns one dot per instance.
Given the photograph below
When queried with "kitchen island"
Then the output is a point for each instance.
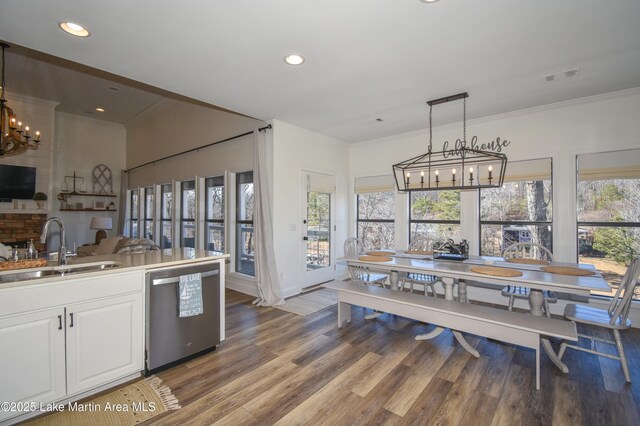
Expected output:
(70, 331)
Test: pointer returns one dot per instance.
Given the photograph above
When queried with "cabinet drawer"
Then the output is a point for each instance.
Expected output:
(72, 290)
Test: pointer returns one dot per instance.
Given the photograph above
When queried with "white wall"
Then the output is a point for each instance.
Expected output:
(296, 150)
(82, 143)
(560, 131)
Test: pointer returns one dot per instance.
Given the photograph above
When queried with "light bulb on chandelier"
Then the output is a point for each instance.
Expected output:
(14, 139)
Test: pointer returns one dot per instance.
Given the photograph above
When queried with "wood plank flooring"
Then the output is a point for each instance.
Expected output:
(280, 368)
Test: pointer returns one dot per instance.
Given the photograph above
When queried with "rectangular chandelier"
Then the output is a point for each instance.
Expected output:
(461, 168)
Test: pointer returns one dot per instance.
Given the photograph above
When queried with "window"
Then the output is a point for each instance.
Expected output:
(214, 213)
(376, 225)
(520, 211)
(375, 200)
(133, 214)
(148, 213)
(188, 214)
(434, 215)
(608, 197)
(244, 224)
(166, 213)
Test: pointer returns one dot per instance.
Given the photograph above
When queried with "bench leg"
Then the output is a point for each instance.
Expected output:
(344, 313)
(432, 334)
(460, 338)
(552, 355)
(538, 368)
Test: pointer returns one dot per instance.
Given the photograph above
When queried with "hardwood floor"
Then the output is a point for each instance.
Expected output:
(279, 368)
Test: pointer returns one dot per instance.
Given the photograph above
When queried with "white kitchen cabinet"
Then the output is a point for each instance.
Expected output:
(32, 358)
(64, 338)
(104, 341)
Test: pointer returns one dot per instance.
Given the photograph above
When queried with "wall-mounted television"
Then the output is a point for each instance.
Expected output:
(17, 182)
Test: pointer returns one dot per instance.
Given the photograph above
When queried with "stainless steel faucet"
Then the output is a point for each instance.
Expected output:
(62, 251)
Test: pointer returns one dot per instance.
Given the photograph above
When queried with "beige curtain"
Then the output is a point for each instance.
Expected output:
(267, 285)
(122, 211)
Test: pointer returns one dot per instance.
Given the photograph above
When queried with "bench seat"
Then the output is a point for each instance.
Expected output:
(510, 327)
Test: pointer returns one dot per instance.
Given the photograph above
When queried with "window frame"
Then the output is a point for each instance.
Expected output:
(359, 220)
(134, 212)
(146, 219)
(207, 221)
(239, 222)
(183, 219)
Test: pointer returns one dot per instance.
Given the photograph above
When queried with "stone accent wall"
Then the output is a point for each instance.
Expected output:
(17, 228)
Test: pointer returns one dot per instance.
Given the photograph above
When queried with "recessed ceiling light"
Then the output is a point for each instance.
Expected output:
(74, 29)
(100, 109)
(429, 1)
(294, 59)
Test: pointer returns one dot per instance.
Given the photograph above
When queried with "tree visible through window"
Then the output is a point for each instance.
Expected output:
(520, 211)
(244, 224)
(188, 214)
(375, 219)
(214, 213)
(608, 196)
(434, 215)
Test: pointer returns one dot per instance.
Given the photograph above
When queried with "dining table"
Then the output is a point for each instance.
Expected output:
(462, 272)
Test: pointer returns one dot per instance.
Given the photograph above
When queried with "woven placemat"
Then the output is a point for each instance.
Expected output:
(496, 271)
(381, 253)
(568, 270)
(375, 258)
(425, 252)
(527, 261)
(22, 264)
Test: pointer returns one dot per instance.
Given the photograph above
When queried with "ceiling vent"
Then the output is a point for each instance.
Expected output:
(561, 75)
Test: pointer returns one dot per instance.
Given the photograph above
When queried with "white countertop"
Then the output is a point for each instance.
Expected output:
(147, 260)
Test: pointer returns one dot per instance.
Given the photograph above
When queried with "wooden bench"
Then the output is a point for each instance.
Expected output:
(511, 327)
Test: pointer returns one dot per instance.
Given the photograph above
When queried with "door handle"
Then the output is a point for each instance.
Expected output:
(171, 280)
(71, 316)
(305, 238)
(59, 322)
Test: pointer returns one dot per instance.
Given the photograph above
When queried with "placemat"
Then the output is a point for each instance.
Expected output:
(526, 261)
(375, 258)
(22, 264)
(381, 253)
(568, 270)
(496, 272)
(425, 252)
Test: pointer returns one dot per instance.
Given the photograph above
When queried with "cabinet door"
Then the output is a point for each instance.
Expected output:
(104, 341)
(32, 365)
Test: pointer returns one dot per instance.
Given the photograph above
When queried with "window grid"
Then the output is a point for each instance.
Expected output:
(244, 223)
(188, 214)
(375, 222)
(133, 223)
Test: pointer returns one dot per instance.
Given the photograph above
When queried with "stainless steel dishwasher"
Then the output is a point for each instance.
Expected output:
(171, 339)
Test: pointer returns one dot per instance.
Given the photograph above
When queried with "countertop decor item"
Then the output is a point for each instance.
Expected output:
(381, 253)
(456, 167)
(22, 264)
(524, 261)
(15, 138)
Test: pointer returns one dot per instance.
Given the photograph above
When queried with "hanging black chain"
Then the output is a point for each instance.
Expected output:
(430, 127)
(3, 61)
(464, 122)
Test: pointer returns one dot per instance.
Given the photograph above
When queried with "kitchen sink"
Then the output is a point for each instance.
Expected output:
(27, 275)
(57, 271)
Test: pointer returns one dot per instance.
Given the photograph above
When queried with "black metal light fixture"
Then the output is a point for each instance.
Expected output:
(14, 137)
(458, 168)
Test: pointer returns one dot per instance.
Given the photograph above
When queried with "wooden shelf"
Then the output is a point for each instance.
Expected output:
(87, 194)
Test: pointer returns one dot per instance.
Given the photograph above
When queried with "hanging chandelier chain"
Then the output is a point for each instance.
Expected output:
(430, 126)
(3, 61)
(464, 121)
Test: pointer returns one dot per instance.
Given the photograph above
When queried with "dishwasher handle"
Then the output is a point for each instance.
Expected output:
(172, 280)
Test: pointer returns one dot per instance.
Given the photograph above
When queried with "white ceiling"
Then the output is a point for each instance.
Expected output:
(365, 59)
